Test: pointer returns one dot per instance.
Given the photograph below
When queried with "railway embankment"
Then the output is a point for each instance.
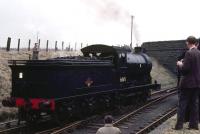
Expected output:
(164, 55)
(166, 52)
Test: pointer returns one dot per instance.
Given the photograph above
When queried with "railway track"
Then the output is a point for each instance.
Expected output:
(149, 116)
(7, 123)
(131, 122)
(10, 125)
(89, 123)
(157, 122)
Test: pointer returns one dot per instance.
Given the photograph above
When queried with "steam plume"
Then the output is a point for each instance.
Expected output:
(110, 10)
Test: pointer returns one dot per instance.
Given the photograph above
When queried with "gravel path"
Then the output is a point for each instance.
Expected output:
(167, 128)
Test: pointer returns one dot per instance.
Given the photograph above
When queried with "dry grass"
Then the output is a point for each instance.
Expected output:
(162, 75)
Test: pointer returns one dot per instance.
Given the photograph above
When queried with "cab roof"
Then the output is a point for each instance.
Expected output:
(101, 48)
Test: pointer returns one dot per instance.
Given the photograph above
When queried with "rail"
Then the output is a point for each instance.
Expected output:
(76, 124)
(142, 108)
(157, 122)
(168, 92)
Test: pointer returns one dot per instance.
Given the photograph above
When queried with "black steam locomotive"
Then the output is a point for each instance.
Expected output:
(104, 77)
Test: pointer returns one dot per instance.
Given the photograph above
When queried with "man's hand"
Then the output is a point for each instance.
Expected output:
(179, 63)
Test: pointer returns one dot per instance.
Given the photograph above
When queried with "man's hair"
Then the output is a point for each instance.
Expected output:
(108, 119)
(192, 40)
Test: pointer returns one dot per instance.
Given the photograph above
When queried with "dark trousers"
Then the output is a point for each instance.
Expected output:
(188, 98)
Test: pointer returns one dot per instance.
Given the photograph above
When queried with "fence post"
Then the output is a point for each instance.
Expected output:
(8, 44)
(69, 49)
(47, 47)
(56, 46)
(81, 45)
(29, 44)
(18, 46)
(39, 44)
(62, 45)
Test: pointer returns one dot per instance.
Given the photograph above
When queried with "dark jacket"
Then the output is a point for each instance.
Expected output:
(178, 71)
(191, 69)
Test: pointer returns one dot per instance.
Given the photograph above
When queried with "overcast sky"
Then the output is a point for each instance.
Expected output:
(98, 21)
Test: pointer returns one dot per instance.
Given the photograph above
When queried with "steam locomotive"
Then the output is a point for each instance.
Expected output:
(104, 77)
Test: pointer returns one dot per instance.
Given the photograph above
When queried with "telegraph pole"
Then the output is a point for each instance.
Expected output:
(131, 45)
(37, 36)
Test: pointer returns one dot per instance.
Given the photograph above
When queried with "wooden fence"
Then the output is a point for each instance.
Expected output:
(67, 47)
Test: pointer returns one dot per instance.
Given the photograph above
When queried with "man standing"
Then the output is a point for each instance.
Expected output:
(108, 128)
(35, 52)
(189, 85)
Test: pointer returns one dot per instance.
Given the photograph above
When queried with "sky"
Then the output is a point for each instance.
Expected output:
(97, 21)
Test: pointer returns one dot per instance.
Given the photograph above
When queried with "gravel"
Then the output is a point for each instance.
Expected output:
(167, 128)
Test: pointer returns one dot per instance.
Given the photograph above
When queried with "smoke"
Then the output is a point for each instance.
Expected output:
(136, 32)
(111, 11)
